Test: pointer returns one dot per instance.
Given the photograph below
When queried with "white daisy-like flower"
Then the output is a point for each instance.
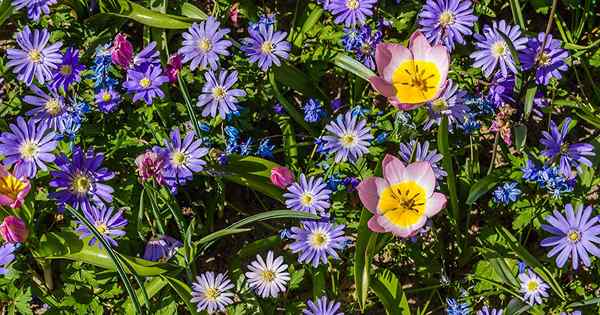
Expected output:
(532, 287)
(212, 293)
(268, 277)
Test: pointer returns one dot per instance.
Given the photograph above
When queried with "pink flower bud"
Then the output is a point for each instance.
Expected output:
(13, 230)
(150, 165)
(122, 51)
(173, 67)
(234, 14)
(281, 177)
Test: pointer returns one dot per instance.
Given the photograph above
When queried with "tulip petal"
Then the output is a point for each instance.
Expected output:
(399, 54)
(393, 169)
(434, 204)
(422, 173)
(367, 192)
(382, 86)
(374, 225)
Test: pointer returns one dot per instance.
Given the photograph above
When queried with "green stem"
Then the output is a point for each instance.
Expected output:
(188, 104)
(494, 150)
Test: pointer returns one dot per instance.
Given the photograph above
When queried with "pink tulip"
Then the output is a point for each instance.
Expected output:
(173, 67)
(410, 77)
(13, 230)
(12, 190)
(281, 177)
(122, 51)
(403, 200)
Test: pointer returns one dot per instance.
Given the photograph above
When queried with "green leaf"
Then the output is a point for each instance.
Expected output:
(275, 214)
(444, 148)
(482, 187)
(184, 292)
(515, 8)
(309, 23)
(290, 109)
(289, 141)
(193, 12)
(528, 102)
(520, 136)
(388, 289)
(353, 66)
(152, 287)
(361, 263)
(290, 76)
(145, 16)
(590, 301)
(253, 172)
(515, 55)
(318, 282)
(6, 10)
(218, 234)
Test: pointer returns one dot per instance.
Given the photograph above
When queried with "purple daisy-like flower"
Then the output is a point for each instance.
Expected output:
(548, 63)
(204, 43)
(107, 99)
(35, 58)
(447, 21)
(316, 241)
(146, 57)
(7, 256)
(79, 180)
(145, 84)
(28, 146)
(492, 49)
(217, 94)
(266, 46)
(414, 151)
(308, 195)
(450, 104)
(35, 8)
(184, 157)
(49, 109)
(568, 155)
(68, 71)
(532, 287)
(108, 224)
(322, 307)
(501, 89)
(489, 311)
(351, 12)
(575, 235)
(161, 248)
(348, 138)
(365, 52)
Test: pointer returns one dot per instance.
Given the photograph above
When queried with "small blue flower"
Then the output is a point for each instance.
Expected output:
(265, 148)
(455, 308)
(381, 137)
(351, 39)
(278, 108)
(358, 111)
(507, 193)
(246, 147)
(223, 159)
(204, 126)
(313, 110)
(336, 104)
(333, 182)
(232, 133)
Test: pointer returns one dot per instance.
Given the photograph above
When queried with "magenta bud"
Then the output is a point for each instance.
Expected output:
(173, 67)
(281, 177)
(14, 230)
(122, 51)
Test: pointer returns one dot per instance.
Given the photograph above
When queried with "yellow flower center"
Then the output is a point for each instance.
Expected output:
(106, 97)
(29, 150)
(35, 56)
(219, 92)
(544, 59)
(66, 69)
(352, 4)
(446, 18)
(211, 294)
(319, 239)
(416, 81)
(532, 285)
(52, 107)
(348, 140)
(499, 49)
(267, 275)
(266, 47)
(179, 158)
(11, 186)
(145, 82)
(306, 199)
(101, 227)
(81, 184)
(574, 236)
(205, 45)
(439, 105)
(403, 203)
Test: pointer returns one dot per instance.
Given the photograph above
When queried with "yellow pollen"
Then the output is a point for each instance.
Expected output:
(544, 59)
(28, 150)
(35, 56)
(52, 107)
(266, 47)
(446, 18)
(106, 97)
(532, 285)
(499, 49)
(101, 227)
(267, 276)
(179, 158)
(574, 236)
(211, 293)
(318, 239)
(306, 199)
(403, 204)
(219, 92)
(81, 184)
(439, 105)
(348, 140)
(145, 82)
(416, 81)
(11, 186)
(205, 45)
(352, 4)
(66, 69)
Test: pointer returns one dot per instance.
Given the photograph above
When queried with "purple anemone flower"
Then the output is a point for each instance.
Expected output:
(68, 71)
(7, 256)
(348, 138)
(450, 104)
(492, 49)
(218, 96)
(108, 224)
(161, 248)
(184, 157)
(414, 151)
(146, 57)
(501, 89)
(35, 8)
(49, 109)
(351, 12)
(365, 51)
(548, 63)
(79, 180)
(34, 59)
(322, 307)
(447, 21)
(308, 195)
(203, 44)
(266, 46)
(28, 146)
(575, 235)
(316, 241)
(568, 155)
(145, 84)
(107, 99)
(533, 288)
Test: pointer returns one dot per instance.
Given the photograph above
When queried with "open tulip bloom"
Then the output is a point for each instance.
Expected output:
(410, 77)
(403, 199)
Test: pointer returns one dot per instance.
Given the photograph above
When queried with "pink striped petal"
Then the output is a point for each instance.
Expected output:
(393, 169)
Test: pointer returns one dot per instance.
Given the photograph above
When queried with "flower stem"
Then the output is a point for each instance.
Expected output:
(494, 149)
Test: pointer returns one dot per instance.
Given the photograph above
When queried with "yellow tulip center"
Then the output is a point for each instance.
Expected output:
(416, 81)
(204, 45)
(81, 184)
(352, 4)
(11, 186)
(52, 107)
(35, 56)
(403, 203)
(446, 18)
(28, 150)
(499, 49)
(145, 82)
